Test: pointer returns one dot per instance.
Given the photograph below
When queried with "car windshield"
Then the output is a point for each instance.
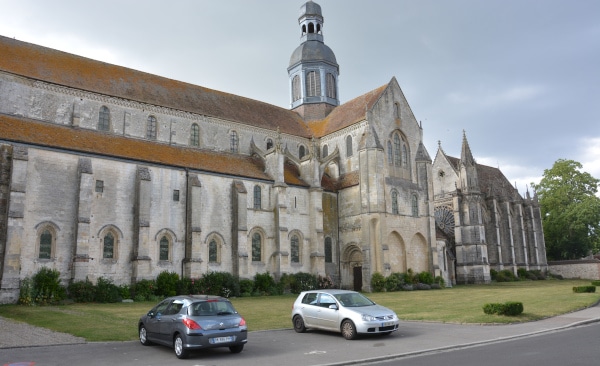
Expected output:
(211, 308)
(353, 300)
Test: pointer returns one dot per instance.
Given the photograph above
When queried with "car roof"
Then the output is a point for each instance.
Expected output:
(194, 298)
(331, 291)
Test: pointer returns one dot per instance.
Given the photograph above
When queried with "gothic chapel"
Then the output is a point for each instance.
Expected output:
(112, 172)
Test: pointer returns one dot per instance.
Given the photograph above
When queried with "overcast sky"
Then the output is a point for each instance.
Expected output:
(521, 77)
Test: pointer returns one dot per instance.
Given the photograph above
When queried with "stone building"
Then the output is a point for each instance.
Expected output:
(482, 221)
(112, 172)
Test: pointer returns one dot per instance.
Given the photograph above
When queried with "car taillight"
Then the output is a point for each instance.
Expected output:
(242, 322)
(191, 324)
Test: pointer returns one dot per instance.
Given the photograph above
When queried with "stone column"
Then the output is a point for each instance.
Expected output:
(141, 254)
(81, 256)
(192, 267)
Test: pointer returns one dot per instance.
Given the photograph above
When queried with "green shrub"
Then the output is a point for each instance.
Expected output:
(143, 290)
(302, 282)
(596, 283)
(81, 291)
(522, 273)
(425, 277)
(493, 274)
(220, 284)
(246, 287)
(45, 287)
(167, 284)
(439, 280)
(106, 291)
(377, 282)
(510, 308)
(394, 282)
(264, 284)
(505, 275)
(583, 289)
(26, 295)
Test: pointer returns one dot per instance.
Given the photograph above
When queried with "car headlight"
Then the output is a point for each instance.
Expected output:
(368, 318)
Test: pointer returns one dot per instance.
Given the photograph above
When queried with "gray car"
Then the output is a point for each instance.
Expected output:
(189, 323)
(348, 312)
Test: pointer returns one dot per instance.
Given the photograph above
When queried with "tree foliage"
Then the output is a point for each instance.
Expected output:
(570, 210)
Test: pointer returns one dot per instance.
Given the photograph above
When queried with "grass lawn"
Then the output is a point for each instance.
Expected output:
(460, 304)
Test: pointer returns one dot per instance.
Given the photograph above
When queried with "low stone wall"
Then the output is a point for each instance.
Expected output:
(584, 269)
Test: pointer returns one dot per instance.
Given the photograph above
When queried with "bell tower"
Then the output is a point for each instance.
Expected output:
(313, 70)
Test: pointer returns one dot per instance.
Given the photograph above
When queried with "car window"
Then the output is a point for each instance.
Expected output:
(310, 298)
(354, 300)
(161, 308)
(325, 300)
(209, 308)
(174, 308)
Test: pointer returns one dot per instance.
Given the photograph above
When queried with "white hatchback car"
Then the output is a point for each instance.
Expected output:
(348, 312)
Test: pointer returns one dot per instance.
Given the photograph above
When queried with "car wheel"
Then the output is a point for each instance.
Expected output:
(348, 329)
(299, 324)
(144, 336)
(236, 349)
(180, 352)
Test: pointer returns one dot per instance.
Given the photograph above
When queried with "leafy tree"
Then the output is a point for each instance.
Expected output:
(570, 210)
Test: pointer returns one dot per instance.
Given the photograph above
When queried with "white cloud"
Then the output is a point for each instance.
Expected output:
(590, 155)
(490, 98)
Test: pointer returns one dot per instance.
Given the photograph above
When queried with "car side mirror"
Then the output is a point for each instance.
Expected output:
(150, 314)
(333, 306)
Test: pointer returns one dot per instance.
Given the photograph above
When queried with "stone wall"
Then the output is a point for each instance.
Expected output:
(585, 269)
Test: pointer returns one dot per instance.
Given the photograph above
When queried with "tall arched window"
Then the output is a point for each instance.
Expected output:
(213, 251)
(328, 250)
(104, 119)
(163, 254)
(151, 128)
(233, 142)
(301, 151)
(395, 202)
(295, 249)
(257, 198)
(195, 135)
(349, 146)
(296, 91)
(390, 153)
(397, 151)
(397, 110)
(330, 80)
(325, 151)
(404, 155)
(313, 84)
(45, 245)
(256, 247)
(415, 205)
(108, 246)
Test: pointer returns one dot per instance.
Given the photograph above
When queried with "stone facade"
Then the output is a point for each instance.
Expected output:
(111, 172)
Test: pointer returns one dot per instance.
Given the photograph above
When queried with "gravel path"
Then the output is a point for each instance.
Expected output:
(17, 334)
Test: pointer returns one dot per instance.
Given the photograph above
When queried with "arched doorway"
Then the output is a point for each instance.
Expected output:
(351, 267)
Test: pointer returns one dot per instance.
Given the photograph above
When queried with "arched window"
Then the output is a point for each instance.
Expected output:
(301, 151)
(164, 249)
(330, 80)
(45, 245)
(397, 151)
(313, 84)
(390, 153)
(415, 205)
(269, 144)
(328, 250)
(395, 202)
(325, 151)
(404, 155)
(104, 119)
(397, 110)
(213, 251)
(108, 246)
(195, 135)
(296, 90)
(257, 198)
(233, 142)
(151, 128)
(295, 249)
(349, 146)
(256, 247)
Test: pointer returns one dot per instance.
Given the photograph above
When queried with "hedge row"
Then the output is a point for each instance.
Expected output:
(510, 308)
(405, 281)
(582, 289)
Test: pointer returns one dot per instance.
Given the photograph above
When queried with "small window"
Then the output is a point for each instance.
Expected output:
(195, 135)
(45, 245)
(390, 153)
(395, 202)
(233, 142)
(151, 128)
(301, 151)
(349, 146)
(313, 84)
(397, 110)
(296, 88)
(325, 151)
(404, 155)
(256, 247)
(328, 250)
(257, 198)
(104, 119)
(415, 205)
(269, 144)
(295, 249)
(330, 82)
(213, 251)
(164, 249)
(108, 247)
(397, 151)
(176, 195)
(99, 186)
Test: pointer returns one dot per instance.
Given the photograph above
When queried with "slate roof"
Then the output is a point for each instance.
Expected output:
(491, 180)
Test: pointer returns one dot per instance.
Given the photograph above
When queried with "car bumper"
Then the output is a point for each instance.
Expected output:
(377, 327)
(215, 339)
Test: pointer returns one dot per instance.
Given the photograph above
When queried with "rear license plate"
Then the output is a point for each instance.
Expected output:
(221, 340)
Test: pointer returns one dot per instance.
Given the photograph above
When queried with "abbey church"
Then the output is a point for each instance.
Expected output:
(111, 172)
